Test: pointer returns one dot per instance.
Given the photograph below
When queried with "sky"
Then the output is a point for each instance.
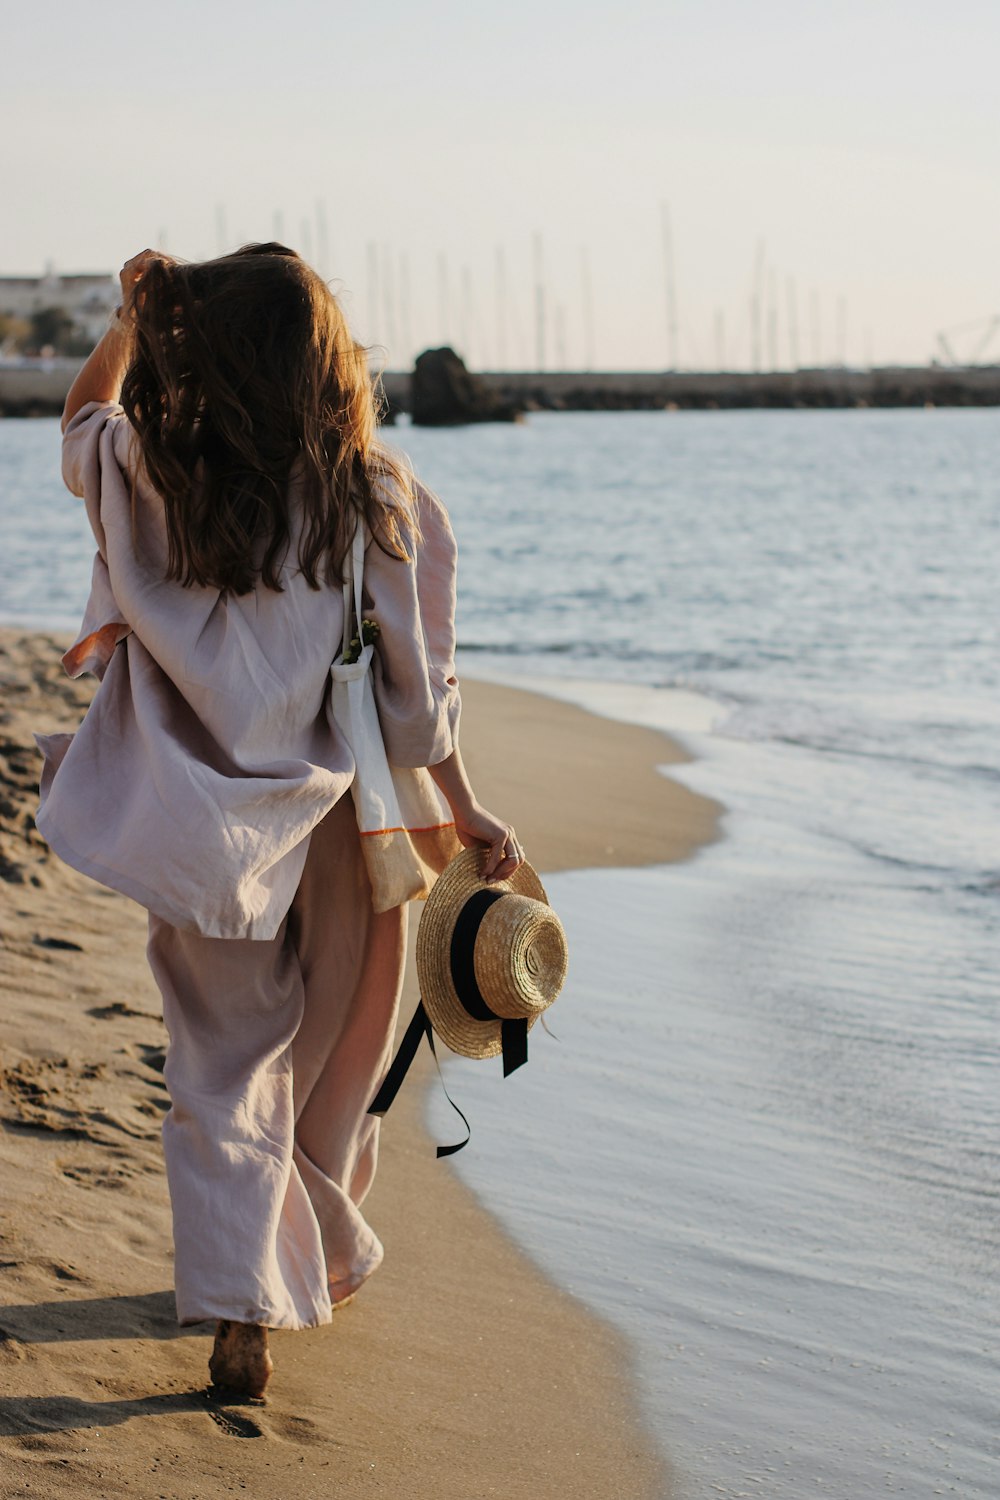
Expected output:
(499, 177)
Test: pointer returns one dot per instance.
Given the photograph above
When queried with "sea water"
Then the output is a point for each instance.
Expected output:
(766, 1141)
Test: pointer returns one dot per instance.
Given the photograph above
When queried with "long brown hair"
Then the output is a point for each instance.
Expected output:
(241, 368)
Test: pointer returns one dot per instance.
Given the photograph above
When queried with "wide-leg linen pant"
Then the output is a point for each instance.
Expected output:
(275, 1052)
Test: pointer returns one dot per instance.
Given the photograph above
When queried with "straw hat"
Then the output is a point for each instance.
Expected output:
(488, 953)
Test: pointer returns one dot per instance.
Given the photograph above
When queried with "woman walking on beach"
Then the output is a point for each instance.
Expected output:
(223, 438)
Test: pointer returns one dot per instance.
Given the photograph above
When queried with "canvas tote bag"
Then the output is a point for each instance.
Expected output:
(407, 829)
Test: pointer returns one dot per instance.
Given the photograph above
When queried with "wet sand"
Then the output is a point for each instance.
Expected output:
(459, 1370)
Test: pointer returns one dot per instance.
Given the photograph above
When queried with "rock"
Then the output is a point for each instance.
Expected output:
(444, 393)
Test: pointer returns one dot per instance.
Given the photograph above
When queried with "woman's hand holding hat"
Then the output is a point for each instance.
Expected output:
(489, 962)
(477, 828)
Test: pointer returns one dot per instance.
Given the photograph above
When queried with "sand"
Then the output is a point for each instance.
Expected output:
(459, 1370)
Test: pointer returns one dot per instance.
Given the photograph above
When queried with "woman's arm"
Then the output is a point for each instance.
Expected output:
(473, 824)
(102, 375)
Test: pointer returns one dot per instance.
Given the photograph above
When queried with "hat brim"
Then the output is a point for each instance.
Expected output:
(453, 887)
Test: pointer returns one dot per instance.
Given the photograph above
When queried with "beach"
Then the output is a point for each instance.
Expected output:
(460, 1370)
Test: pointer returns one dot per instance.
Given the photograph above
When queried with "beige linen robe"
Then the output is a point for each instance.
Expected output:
(208, 755)
(207, 781)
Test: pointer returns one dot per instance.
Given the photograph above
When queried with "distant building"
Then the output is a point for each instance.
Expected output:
(85, 297)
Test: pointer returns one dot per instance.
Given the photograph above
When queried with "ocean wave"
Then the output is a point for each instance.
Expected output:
(678, 663)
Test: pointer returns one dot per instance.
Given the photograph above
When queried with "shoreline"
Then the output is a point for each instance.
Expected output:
(461, 1367)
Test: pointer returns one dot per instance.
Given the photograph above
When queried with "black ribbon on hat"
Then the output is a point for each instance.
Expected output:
(513, 1034)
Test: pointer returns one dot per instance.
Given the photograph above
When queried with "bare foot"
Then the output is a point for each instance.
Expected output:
(240, 1365)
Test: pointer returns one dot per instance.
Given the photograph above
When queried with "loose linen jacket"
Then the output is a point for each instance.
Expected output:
(208, 754)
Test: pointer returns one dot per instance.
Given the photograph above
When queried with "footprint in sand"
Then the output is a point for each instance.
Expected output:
(65, 1272)
(233, 1421)
(64, 1098)
(117, 1008)
(113, 1177)
(237, 1421)
(298, 1430)
(11, 1348)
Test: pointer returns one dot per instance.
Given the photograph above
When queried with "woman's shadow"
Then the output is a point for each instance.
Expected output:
(21, 1415)
(150, 1315)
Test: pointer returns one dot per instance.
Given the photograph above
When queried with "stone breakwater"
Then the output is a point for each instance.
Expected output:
(29, 389)
(693, 390)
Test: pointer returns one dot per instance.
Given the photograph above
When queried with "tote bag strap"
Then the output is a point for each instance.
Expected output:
(355, 569)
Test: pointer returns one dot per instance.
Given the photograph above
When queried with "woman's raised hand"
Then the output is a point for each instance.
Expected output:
(133, 271)
(100, 378)
(477, 827)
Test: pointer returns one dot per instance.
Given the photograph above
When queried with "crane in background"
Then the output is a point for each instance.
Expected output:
(986, 328)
